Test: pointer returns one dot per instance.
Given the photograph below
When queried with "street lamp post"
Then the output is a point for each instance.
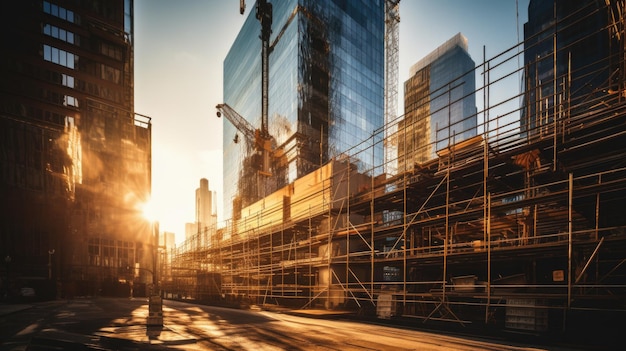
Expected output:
(155, 303)
(155, 257)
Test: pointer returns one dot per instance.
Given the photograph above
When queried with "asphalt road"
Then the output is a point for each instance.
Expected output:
(119, 324)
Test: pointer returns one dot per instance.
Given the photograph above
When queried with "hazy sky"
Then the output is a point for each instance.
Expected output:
(179, 51)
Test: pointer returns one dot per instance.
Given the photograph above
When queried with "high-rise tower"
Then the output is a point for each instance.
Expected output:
(205, 206)
(326, 91)
(572, 52)
(74, 157)
(439, 103)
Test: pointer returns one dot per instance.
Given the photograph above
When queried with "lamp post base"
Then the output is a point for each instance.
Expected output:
(155, 311)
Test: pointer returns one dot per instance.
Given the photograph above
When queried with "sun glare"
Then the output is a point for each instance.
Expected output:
(149, 212)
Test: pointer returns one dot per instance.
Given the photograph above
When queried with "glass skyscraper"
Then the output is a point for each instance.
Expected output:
(439, 103)
(326, 91)
(571, 56)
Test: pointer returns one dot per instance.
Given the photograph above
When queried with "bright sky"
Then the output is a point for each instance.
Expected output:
(179, 51)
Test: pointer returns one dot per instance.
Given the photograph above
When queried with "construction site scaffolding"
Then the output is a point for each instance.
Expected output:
(521, 226)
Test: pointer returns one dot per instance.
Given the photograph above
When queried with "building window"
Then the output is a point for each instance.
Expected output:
(109, 73)
(60, 57)
(60, 33)
(69, 121)
(70, 101)
(128, 20)
(58, 11)
(111, 51)
(67, 80)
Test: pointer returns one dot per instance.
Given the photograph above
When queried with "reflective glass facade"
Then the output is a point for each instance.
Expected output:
(326, 90)
(570, 54)
(439, 103)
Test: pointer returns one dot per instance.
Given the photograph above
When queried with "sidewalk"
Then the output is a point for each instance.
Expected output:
(319, 313)
(12, 308)
(108, 337)
(309, 313)
(111, 338)
(124, 338)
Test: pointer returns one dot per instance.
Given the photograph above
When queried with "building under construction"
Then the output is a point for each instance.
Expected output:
(521, 227)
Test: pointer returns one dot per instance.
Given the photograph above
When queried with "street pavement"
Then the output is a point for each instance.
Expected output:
(6, 309)
(134, 336)
(120, 324)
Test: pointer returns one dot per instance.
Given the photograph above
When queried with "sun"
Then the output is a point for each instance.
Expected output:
(148, 211)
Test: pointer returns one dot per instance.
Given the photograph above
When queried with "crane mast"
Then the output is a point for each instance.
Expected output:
(262, 138)
(392, 20)
(264, 15)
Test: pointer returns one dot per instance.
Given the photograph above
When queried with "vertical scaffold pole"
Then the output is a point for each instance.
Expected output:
(569, 241)
(488, 225)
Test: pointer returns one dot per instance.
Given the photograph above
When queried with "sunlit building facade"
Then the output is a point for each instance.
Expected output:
(74, 157)
(190, 230)
(326, 91)
(439, 103)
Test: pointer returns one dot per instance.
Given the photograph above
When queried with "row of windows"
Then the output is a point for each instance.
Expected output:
(34, 178)
(60, 33)
(107, 261)
(110, 247)
(27, 110)
(110, 94)
(60, 57)
(101, 91)
(69, 60)
(31, 158)
(58, 11)
(55, 97)
(107, 49)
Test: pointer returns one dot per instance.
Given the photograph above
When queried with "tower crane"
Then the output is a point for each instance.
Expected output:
(392, 22)
(264, 15)
(254, 138)
(242, 125)
(262, 138)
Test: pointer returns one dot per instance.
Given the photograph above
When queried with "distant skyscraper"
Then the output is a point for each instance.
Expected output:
(205, 206)
(439, 103)
(74, 157)
(190, 230)
(167, 240)
(326, 90)
(571, 53)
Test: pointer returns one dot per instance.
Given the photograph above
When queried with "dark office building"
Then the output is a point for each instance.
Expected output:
(74, 157)
(571, 60)
(326, 91)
